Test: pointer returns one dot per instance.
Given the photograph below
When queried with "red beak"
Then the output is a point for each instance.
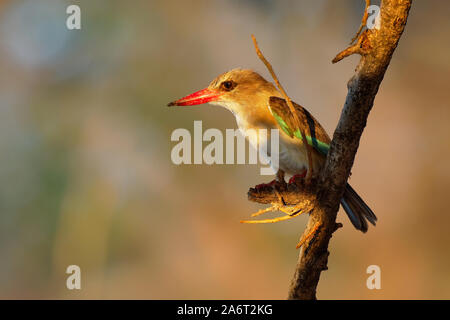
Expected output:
(199, 97)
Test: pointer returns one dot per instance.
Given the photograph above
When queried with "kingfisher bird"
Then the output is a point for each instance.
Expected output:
(257, 104)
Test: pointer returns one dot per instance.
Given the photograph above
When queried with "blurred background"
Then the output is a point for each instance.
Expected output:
(86, 176)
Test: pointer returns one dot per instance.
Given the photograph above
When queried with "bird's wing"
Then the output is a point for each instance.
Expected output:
(315, 134)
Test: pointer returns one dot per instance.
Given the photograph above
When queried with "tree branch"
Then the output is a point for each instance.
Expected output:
(376, 48)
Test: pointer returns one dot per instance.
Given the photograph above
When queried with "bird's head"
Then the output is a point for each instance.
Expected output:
(237, 90)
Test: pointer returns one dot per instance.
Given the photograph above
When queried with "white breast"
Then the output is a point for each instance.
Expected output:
(292, 155)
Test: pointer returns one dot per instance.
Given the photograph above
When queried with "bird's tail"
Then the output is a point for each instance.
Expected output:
(356, 209)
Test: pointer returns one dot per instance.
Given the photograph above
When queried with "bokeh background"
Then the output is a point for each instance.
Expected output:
(86, 176)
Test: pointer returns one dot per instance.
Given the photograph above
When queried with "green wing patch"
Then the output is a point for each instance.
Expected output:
(315, 134)
(283, 125)
(320, 146)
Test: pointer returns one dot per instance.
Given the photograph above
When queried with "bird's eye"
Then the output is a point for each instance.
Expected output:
(228, 85)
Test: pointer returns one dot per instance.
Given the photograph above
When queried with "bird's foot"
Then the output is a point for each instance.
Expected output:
(280, 176)
(297, 177)
(266, 185)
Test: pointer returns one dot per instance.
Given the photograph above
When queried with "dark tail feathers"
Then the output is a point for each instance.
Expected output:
(356, 209)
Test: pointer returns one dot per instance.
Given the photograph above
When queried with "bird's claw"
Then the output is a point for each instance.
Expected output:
(297, 177)
(265, 185)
